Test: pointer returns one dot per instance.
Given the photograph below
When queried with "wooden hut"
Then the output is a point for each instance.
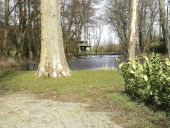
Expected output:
(83, 47)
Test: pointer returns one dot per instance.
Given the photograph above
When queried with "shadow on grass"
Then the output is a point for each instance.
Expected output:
(146, 114)
(4, 77)
(155, 108)
(5, 73)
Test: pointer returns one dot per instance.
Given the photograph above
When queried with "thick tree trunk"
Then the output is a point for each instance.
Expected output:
(133, 27)
(164, 23)
(52, 59)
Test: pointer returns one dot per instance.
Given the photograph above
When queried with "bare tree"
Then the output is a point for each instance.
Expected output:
(147, 16)
(118, 16)
(77, 19)
(97, 32)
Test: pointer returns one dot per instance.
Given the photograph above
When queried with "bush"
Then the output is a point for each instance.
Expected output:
(157, 47)
(148, 80)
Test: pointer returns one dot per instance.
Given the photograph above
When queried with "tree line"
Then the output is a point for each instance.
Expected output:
(150, 20)
(20, 27)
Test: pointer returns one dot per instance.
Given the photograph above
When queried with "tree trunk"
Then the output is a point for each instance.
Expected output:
(133, 26)
(141, 11)
(6, 19)
(36, 32)
(164, 23)
(52, 59)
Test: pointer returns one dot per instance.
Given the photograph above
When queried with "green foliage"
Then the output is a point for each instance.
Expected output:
(157, 47)
(148, 80)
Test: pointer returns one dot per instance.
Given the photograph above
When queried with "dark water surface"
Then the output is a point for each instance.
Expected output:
(105, 62)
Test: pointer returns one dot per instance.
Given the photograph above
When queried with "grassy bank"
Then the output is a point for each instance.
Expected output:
(102, 89)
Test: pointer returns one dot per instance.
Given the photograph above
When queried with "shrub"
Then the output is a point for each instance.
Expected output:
(157, 47)
(148, 79)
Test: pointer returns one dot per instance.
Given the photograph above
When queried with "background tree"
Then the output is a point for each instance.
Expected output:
(97, 33)
(147, 18)
(164, 23)
(23, 41)
(77, 20)
(6, 21)
(118, 15)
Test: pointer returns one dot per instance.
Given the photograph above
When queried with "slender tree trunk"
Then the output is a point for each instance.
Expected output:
(52, 59)
(133, 27)
(6, 19)
(36, 32)
(141, 29)
(164, 23)
(160, 28)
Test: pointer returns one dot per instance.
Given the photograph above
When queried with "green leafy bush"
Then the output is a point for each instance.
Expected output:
(148, 79)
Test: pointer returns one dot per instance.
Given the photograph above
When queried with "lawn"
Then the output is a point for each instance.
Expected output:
(103, 89)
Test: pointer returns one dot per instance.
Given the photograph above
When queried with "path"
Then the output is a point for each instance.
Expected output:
(28, 111)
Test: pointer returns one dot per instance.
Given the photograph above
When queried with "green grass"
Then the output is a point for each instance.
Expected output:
(102, 89)
(80, 81)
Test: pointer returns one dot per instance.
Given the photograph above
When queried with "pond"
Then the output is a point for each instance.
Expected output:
(106, 62)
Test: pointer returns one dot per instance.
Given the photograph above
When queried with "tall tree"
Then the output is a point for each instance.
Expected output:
(52, 58)
(133, 27)
(164, 24)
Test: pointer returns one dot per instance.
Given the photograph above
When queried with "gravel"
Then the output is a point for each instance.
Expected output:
(28, 111)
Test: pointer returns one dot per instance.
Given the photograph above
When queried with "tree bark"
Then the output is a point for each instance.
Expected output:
(52, 59)
(164, 23)
(133, 27)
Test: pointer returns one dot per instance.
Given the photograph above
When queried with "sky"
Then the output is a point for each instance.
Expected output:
(108, 34)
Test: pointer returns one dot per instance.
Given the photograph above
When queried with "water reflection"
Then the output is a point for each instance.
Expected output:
(94, 63)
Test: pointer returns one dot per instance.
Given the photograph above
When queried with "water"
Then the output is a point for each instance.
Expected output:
(106, 62)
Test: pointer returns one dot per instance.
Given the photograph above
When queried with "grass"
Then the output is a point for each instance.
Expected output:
(102, 89)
